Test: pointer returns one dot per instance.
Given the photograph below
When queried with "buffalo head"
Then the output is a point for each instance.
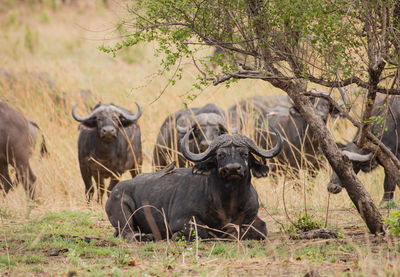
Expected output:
(361, 160)
(206, 127)
(231, 156)
(325, 108)
(107, 120)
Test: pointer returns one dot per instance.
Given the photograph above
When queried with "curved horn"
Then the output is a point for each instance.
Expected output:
(221, 123)
(357, 157)
(77, 117)
(182, 129)
(130, 117)
(266, 153)
(202, 156)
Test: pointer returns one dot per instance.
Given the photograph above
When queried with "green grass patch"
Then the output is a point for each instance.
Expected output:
(327, 252)
(303, 223)
(391, 204)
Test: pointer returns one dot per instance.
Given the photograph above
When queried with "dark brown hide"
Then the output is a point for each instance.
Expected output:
(15, 149)
(208, 123)
(109, 144)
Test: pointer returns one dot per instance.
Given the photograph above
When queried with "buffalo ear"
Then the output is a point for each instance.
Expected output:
(125, 122)
(257, 168)
(204, 168)
(293, 111)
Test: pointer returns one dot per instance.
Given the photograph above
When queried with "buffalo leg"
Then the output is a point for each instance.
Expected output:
(26, 177)
(119, 209)
(113, 183)
(389, 187)
(30, 186)
(188, 230)
(87, 179)
(100, 188)
(134, 172)
(256, 230)
(5, 180)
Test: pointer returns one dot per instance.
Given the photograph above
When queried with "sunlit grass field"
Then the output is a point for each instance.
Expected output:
(52, 54)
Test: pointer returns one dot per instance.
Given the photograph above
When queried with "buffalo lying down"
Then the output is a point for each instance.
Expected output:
(215, 192)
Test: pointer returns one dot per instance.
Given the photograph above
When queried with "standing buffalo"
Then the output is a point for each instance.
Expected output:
(216, 192)
(108, 145)
(300, 147)
(386, 127)
(255, 106)
(208, 123)
(15, 149)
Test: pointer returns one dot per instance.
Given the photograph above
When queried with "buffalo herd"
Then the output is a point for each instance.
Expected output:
(211, 189)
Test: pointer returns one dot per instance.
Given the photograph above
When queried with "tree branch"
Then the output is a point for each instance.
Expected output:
(370, 135)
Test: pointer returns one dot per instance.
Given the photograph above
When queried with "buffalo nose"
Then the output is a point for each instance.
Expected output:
(231, 169)
(108, 131)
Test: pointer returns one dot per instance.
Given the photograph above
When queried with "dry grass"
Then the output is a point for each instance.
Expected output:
(64, 46)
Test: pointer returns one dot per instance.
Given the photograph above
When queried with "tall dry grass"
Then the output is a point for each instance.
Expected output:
(65, 48)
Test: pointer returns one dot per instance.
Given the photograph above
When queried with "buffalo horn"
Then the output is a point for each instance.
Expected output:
(77, 117)
(96, 110)
(202, 156)
(357, 157)
(182, 129)
(129, 117)
(266, 153)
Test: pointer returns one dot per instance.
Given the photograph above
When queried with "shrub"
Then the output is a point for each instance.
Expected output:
(394, 224)
(303, 224)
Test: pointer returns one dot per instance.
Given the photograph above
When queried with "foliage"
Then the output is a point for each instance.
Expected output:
(394, 222)
(268, 38)
(303, 224)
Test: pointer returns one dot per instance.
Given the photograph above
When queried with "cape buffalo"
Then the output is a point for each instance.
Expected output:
(15, 149)
(241, 114)
(300, 147)
(208, 123)
(109, 144)
(216, 192)
(386, 127)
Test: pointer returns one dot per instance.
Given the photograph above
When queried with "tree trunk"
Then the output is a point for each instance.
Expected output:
(341, 164)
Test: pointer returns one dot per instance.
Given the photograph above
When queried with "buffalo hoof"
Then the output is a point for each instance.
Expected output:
(332, 188)
(147, 237)
(138, 237)
(388, 204)
(178, 236)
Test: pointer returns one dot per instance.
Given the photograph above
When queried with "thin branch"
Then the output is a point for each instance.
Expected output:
(169, 82)
(370, 135)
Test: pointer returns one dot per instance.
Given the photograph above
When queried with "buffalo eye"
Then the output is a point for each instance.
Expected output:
(196, 131)
(244, 155)
(221, 155)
